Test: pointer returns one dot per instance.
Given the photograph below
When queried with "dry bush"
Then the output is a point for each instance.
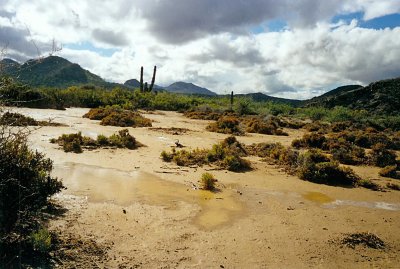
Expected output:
(393, 186)
(208, 181)
(316, 126)
(203, 115)
(310, 140)
(226, 125)
(390, 171)
(75, 142)
(366, 239)
(340, 126)
(271, 126)
(381, 156)
(17, 119)
(345, 152)
(316, 167)
(118, 117)
(275, 153)
(227, 154)
(368, 184)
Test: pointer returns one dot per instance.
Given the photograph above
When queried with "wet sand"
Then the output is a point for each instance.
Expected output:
(150, 215)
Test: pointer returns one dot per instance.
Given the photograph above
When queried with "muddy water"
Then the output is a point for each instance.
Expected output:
(101, 185)
(317, 197)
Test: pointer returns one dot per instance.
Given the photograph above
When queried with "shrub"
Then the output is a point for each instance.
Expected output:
(270, 126)
(102, 140)
(114, 116)
(310, 140)
(25, 185)
(41, 240)
(167, 157)
(393, 186)
(274, 151)
(16, 119)
(203, 115)
(226, 125)
(226, 154)
(316, 167)
(75, 142)
(390, 171)
(347, 153)
(235, 163)
(381, 156)
(368, 184)
(208, 181)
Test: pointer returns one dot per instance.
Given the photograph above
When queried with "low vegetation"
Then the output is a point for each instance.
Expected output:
(317, 167)
(17, 119)
(25, 186)
(366, 239)
(76, 142)
(226, 125)
(207, 182)
(115, 116)
(227, 155)
(391, 171)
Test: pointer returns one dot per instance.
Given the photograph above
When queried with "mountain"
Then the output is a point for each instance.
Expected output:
(378, 97)
(261, 97)
(132, 83)
(188, 88)
(52, 71)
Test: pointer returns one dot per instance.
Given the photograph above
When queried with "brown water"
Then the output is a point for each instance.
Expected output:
(101, 185)
(318, 197)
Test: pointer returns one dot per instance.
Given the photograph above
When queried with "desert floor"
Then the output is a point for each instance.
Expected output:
(144, 213)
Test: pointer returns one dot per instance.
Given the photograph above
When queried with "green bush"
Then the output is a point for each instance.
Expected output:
(41, 240)
(208, 181)
(25, 186)
(316, 167)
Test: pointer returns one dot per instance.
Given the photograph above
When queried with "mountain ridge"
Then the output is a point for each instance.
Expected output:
(53, 71)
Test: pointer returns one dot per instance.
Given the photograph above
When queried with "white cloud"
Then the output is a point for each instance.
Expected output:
(209, 43)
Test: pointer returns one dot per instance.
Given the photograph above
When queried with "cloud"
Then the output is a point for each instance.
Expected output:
(210, 43)
(110, 37)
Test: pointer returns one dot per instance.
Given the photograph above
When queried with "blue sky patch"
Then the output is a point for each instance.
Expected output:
(89, 46)
(388, 21)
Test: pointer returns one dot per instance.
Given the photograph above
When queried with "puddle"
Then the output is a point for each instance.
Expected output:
(101, 185)
(317, 197)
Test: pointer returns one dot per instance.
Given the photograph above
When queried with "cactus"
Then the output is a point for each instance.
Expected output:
(145, 88)
(141, 79)
(232, 101)
(153, 79)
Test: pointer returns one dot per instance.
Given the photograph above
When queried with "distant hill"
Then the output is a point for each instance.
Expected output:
(188, 88)
(261, 97)
(52, 71)
(132, 83)
(378, 97)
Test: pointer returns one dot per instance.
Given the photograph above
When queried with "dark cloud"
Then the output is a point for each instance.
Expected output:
(18, 45)
(221, 50)
(180, 21)
(110, 37)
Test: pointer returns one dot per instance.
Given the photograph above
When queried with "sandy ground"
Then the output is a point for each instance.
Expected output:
(147, 214)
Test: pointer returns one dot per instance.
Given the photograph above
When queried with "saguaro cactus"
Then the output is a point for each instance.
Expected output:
(232, 101)
(144, 87)
(141, 79)
(153, 79)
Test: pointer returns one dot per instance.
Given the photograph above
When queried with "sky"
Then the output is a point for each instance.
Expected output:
(284, 48)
